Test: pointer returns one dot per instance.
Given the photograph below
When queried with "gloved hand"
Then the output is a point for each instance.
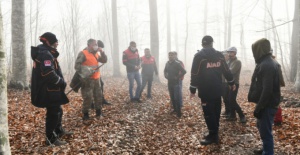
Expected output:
(258, 113)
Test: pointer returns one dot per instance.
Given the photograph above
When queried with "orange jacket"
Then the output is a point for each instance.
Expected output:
(91, 61)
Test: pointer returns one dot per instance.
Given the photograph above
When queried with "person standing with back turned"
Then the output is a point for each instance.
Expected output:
(206, 76)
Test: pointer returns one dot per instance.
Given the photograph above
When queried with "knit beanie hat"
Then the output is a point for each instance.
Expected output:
(48, 36)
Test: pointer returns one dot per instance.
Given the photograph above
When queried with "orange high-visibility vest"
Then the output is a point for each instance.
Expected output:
(91, 60)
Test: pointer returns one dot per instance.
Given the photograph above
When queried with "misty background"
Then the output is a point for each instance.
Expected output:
(236, 23)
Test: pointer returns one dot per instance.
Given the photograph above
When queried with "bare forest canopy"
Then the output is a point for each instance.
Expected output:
(181, 26)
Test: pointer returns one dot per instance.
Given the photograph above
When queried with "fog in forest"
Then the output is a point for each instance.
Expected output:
(181, 26)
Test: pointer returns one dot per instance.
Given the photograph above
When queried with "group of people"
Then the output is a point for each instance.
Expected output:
(212, 75)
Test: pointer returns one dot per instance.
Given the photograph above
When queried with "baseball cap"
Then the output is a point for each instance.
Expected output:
(206, 40)
(231, 49)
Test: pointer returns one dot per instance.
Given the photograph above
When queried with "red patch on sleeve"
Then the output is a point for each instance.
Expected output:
(47, 63)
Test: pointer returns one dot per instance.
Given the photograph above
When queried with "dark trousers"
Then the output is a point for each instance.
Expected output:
(53, 122)
(234, 106)
(212, 110)
(147, 79)
(264, 125)
(225, 95)
(174, 95)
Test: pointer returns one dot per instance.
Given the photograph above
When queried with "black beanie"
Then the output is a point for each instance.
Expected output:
(48, 36)
(100, 44)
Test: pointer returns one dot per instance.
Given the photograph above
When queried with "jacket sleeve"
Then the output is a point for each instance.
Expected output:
(48, 69)
(155, 67)
(267, 87)
(195, 73)
(165, 71)
(182, 71)
(125, 60)
(281, 79)
(235, 67)
(80, 59)
(226, 71)
(103, 58)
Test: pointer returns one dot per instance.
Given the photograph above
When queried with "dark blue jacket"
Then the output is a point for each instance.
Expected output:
(207, 69)
(47, 81)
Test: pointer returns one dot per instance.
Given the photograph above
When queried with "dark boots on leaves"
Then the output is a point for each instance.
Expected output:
(54, 140)
(210, 139)
(85, 116)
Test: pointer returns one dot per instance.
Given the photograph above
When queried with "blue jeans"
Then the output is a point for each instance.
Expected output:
(131, 77)
(147, 79)
(264, 125)
(180, 93)
(174, 91)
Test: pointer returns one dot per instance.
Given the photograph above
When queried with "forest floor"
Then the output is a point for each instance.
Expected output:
(148, 127)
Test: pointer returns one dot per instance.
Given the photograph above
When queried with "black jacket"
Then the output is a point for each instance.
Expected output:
(207, 69)
(173, 72)
(265, 84)
(47, 82)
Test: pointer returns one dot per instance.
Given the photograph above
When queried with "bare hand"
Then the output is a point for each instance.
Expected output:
(233, 87)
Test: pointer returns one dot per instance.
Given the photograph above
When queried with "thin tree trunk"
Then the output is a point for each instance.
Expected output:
(294, 48)
(4, 138)
(297, 83)
(19, 66)
(186, 30)
(168, 27)
(154, 37)
(205, 18)
(115, 49)
(229, 24)
(274, 30)
(225, 7)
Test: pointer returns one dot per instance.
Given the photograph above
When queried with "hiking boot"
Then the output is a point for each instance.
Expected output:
(209, 139)
(57, 142)
(179, 114)
(98, 113)
(85, 116)
(106, 103)
(138, 100)
(230, 118)
(225, 114)
(243, 120)
(92, 105)
(259, 151)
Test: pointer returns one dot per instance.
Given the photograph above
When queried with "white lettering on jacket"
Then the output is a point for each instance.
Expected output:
(213, 64)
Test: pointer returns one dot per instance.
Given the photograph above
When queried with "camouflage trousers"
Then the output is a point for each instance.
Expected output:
(91, 92)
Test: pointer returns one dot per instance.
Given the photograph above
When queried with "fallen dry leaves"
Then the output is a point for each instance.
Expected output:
(143, 128)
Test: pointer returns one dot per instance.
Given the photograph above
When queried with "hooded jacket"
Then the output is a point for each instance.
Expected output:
(265, 82)
(47, 81)
(207, 69)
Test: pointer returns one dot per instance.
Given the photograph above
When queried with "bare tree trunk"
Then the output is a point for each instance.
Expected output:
(229, 24)
(225, 7)
(274, 30)
(265, 18)
(186, 30)
(297, 83)
(205, 18)
(19, 66)
(154, 35)
(115, 51)
(168, 27)
(4, 138)
(295, 41)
